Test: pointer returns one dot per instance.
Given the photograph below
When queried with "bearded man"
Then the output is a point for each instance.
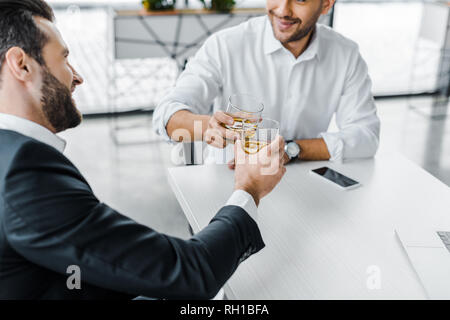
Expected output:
(303, 72)
(51, 223)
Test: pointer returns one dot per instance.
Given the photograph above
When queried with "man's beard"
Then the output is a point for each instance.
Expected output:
(304, 31)
(57, 103)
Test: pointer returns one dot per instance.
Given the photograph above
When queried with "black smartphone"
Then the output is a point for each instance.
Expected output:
(336, 177)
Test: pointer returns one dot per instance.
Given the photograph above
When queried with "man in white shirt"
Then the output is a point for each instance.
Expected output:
(303, 73)
(49, 217)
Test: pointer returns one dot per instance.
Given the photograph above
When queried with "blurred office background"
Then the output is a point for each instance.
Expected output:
(403, 42)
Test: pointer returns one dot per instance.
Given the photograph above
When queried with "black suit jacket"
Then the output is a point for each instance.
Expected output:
(50, 219)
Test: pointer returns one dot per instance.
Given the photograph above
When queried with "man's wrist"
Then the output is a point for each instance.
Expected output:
(286, 158)
(244, 200)
(250, 191)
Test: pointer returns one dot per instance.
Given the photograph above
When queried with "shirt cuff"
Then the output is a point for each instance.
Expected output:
(335, 145)
(160, 123)
(244, 200)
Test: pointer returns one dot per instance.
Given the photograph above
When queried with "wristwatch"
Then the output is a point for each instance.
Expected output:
(292, 149)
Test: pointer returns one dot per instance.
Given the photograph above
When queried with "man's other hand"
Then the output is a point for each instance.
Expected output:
(217, 134)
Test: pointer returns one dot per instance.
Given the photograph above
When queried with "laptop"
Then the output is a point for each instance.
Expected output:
(429, 253)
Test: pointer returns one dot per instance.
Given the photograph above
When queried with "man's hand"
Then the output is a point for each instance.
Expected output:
(286, 158)
(259, 173)
(216, 134)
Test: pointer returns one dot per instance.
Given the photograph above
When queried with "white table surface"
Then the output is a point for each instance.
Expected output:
(321, 241)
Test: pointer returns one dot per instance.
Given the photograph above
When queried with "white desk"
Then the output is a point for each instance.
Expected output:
(320, 241)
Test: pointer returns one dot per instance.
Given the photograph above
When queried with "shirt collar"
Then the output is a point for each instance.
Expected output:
(271, 44)
(31, 129)
(312, 50)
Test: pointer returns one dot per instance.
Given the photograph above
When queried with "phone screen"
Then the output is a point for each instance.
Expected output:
(335, 176)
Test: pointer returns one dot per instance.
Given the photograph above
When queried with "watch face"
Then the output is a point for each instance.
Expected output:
(293, 149)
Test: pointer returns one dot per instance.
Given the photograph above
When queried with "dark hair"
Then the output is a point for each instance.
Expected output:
(18, 28)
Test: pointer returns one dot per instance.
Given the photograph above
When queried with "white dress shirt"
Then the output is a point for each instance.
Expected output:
(33, 130)
(328, 78)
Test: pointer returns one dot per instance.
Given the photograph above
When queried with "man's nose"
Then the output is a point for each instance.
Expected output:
(284, 8)
(77, 78)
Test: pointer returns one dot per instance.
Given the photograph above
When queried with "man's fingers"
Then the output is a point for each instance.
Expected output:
(226, 133)
(231, 135)
(240, 156)
(214, 138)
(282, 145)
(208, 137)
(285, 157)
(276, 145)
(282, 160)
(222, 117)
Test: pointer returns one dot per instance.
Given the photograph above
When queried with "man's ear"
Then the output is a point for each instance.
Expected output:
(19, 64)
(327, 5)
